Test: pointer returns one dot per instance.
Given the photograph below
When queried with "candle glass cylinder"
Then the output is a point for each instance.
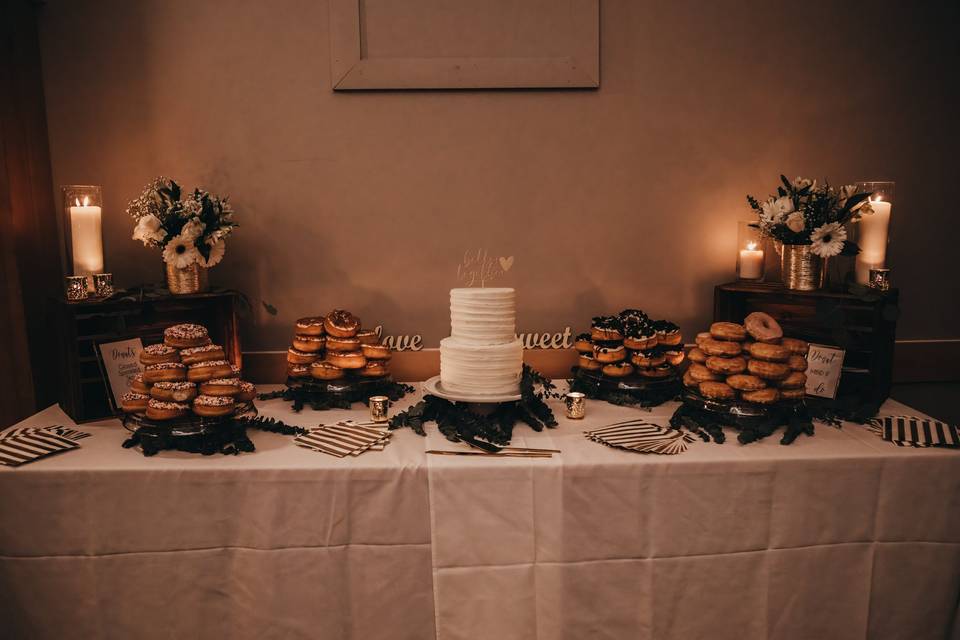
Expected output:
(379, 408)
(103, 284)
(76, 288)
(83, 238)
(750, 252)
(576, 404)
(872, 230)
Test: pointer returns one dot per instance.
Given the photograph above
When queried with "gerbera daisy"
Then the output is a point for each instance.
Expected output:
(827, 240)
(217, 250)
(180, 252)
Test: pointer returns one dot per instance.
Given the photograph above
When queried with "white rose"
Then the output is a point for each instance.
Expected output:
(784, 205)
(193, 229)
(796, 222)
(149, 229)
(800, 183)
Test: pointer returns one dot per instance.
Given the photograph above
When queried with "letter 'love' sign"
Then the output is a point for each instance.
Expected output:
(824, 365)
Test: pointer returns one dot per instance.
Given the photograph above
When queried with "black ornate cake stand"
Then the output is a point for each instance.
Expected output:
(337, 394)
(630, 390)
(707, 417)
(194, 434)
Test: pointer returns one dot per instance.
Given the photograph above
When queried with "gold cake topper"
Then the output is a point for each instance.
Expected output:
(478, 268)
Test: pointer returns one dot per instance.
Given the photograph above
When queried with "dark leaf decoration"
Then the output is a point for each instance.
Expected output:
(269, 308)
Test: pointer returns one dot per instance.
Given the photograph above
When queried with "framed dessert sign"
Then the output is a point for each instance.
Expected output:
(120, 362)
(824, 365)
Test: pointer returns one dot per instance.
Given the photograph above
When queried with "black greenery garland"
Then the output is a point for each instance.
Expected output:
(318, 398)
(707, 425)
(456, 421)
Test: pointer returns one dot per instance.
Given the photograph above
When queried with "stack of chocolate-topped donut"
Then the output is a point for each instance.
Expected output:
(630, 342)
(332, 346)
(186, 374)
(750, 361)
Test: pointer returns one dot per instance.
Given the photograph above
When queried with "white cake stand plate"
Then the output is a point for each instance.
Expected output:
(434, 388)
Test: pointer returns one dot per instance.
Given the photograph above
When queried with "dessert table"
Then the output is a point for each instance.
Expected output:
(841, 535)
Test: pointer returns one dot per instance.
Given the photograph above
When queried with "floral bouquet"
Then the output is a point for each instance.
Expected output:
(806, 213)
(189, 228)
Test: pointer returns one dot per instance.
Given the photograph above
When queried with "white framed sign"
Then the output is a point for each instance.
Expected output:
(121, 362)
(824, 365)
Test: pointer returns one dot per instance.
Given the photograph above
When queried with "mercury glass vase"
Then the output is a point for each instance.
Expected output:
(800, 268)
(186, 280)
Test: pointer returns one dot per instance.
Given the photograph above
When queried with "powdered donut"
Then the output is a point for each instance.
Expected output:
(763, 327)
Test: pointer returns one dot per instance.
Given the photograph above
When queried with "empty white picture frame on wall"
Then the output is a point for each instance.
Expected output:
(464, 44)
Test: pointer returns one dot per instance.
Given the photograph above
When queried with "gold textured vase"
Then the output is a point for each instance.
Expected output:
(192, 279)
(801, 269)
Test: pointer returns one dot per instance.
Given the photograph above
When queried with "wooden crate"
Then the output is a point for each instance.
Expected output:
(864, 327)
(80, 326)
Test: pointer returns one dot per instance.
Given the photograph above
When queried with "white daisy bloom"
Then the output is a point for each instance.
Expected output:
(827, 240)
(770, 215)
(149, 230)
(217, 249)
(796, 222)
(180, 252)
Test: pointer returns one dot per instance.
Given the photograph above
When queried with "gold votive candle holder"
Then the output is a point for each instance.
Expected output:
(76, 288)
(576, 404)
(379, 408)
(880, 279)
(103, 284)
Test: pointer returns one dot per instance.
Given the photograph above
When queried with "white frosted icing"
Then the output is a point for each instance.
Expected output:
(483, 355)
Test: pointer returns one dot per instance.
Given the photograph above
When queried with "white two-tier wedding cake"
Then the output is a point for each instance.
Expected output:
(482, 356)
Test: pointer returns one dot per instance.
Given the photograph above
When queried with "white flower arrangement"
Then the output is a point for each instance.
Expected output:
(807, 213)
(190, 229)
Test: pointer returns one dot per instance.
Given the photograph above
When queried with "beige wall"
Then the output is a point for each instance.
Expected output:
(625, 196)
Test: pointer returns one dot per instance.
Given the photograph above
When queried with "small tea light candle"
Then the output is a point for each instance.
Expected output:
(751, 262)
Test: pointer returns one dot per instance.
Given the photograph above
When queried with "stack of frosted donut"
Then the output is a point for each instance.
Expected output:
(630, 343)
(752, 362)
(332, 346)
(186, 374)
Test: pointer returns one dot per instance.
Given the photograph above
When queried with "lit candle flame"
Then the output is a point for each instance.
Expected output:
(877, 199)
(751, 246)
(77, 200)
(86, 201)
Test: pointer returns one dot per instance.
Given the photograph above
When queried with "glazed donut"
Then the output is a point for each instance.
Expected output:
(588, 363)
(163, 410)
(701, 374)
(674, 358)
(717, 390)
(792, 394)
(183, 336)
(644, 359)
(375, 351)
(374, 369)
(697, 355)
(158, 353)
(795, 346)
(220, 387)
(174, 391)
(582, 343)
(298, 371)
(309, 326)
(763, 327)
(308, 344)
(703, 335)
(641, 342)
(208, 370)
(726, 366)
(746, 382)
(607, 355)
(797, 363)
(771, 352)
(656, 372)
(137, 385)
(606, 328)
(213, 406)
(795, 380)
(322, 370)
(761, 396)
(164, 372)
(346, 359)
(768, 370)
(133, 402)
(723, 348)
(342, 344)
(689, 382)
(295, 356)
(617, 369)
(194, 355)
(728, 331)
(247, 392)
(341, 324)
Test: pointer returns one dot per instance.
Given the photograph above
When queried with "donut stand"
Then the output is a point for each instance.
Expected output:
(632, 390)
(337, 394)
(191, 433)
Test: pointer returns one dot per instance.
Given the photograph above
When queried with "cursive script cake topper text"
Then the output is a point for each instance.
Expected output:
(478, 268)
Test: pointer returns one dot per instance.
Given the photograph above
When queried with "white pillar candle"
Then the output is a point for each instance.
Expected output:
(872, 240)
(86, 239)
(751, 262)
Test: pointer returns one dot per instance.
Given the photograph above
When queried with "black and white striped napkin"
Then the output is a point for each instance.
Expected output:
(343, 439)
(26, 444)
(911, 431)
(642, 437)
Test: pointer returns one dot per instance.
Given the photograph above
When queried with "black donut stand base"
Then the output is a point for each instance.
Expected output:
(192, 433)
(321, 395)
(707, 416)
(632, 390)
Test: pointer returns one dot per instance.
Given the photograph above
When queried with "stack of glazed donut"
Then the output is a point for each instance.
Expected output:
(630, 343)
(752, 362)
(332, 346)
(186, 374)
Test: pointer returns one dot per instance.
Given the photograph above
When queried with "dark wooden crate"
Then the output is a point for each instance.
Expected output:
(80, 326)
(864, 327)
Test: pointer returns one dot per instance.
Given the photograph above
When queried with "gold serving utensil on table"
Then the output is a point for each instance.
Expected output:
(489, 447)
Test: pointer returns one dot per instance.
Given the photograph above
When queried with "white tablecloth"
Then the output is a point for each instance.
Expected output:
(837, 536)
